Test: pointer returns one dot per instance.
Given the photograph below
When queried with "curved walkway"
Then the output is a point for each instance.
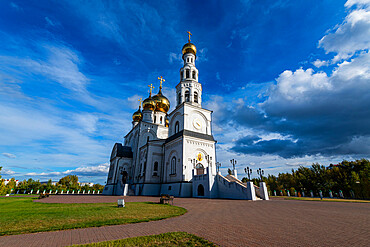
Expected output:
(227, 223)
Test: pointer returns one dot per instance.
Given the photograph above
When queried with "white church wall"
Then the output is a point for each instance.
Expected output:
(177, 116)
(155, 154)
(177, 189)
(194, 146)
(151, 189)
(173, 149)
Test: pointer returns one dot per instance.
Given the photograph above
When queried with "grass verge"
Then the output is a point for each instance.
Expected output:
(21, 215)
(165, 239)
(324, 199)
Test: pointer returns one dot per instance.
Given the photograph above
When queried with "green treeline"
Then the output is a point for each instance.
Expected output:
(350, 177)
(67, 183)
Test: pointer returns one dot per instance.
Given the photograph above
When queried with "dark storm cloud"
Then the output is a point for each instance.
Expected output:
(326, 115)
(315, 113)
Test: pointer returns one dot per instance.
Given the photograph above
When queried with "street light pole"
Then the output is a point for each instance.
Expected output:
(233, 163)
(260, 172)
(218, 165)
(248, 171)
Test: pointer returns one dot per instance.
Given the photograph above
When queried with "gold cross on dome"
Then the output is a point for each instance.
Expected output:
(140, 100)
(151, 88)
(189, 35)
(160, 83)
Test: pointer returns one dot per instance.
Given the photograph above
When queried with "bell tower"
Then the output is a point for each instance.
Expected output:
(189, 90)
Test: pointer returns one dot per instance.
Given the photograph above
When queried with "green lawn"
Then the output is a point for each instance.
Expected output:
(22, 215)
(166, 239)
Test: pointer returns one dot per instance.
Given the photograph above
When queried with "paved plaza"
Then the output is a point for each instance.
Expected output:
(227, 223)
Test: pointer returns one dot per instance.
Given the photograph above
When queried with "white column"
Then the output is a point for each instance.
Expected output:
(263, 191)
(251, 191)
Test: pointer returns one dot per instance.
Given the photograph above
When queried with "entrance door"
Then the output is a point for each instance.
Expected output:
(200, 169)
(200, 190)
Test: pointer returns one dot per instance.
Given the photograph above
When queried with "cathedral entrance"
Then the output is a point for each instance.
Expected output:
(200, 190)
(200, 169)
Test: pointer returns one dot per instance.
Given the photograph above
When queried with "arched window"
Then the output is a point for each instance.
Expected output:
(161, 119)
(187, 73)
(155, 119)
(193, 74)
(173, 166)
(177, 127)
(196, 97)
(155, 169)
(179, 99)
(187, 96)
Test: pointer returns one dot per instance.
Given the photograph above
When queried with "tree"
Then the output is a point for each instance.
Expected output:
(69, 182)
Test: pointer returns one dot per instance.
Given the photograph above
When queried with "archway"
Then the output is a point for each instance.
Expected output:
(200, 190)
(124, 177)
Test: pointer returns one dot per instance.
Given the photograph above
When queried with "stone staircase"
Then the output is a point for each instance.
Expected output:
(232, 188)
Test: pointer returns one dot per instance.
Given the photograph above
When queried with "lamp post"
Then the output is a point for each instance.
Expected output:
(260, 172)
(233, 163)
(218, 165)
(248, 171)
(209, 161)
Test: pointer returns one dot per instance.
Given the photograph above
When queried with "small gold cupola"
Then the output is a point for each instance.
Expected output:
(189, 47)
(149, 103)
(161, 102)
(138, 115)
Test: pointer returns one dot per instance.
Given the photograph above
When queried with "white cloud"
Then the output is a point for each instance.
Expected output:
(49, 22)
(218, 76)
(9, 155)
(174, 57)
(133, 101)
(87, 121)
(61, 66)
(299, 85)
(319, 63)
(15, 6)
(99, 170)
(350, 3)
(352, 35)
(6, 172)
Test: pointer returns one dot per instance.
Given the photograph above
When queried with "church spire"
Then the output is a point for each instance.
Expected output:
(190, 89)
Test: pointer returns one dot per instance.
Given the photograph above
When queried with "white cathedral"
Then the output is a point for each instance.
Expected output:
(173, 153)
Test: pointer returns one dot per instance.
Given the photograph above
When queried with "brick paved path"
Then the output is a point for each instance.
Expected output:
(228, 223)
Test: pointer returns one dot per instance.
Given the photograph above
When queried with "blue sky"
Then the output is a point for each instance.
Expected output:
(288, 81)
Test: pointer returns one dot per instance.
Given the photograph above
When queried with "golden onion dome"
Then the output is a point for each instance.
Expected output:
(189, 47)
(149, 104)
(161, 102)
(137, 116)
